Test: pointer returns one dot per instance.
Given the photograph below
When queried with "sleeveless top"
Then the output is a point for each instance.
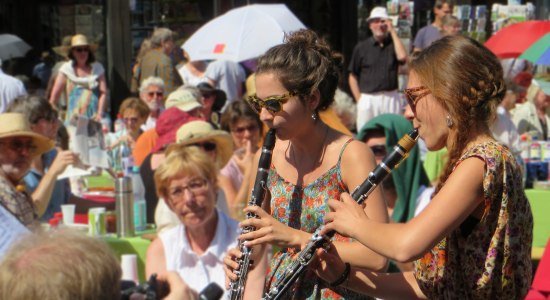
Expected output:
(492, 258)
(304, 208)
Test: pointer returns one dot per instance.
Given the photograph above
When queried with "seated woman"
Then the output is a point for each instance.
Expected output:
(217, 145)
(134, 112)
(187, 180)
(246, 129)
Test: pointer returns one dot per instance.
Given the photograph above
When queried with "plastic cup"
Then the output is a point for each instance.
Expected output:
(128, 264)
(96, 221)
(68, 213)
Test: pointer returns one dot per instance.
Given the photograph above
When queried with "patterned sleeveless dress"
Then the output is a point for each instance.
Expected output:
(304, 208)
(490, 259)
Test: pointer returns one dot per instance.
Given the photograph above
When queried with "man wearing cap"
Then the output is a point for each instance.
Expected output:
(373, 69)
(157, 61)
(186, 99)
(10, 88)
(19, 145)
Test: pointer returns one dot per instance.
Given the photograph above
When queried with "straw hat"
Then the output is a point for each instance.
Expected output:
(77, 40)
(182, 99)
(200, 131)
(15, 124)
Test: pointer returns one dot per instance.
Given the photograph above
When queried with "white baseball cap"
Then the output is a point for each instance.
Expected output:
(378, 12)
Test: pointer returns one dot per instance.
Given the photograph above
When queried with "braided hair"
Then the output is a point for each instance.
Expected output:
(467, 79)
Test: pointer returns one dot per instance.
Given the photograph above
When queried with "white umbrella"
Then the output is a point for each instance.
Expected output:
(242, 33)
(12, 46)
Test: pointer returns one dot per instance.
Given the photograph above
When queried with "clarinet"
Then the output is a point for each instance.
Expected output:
(360, 194)
(236, 288)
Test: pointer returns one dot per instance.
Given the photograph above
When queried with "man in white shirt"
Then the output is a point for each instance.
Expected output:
(10, 88)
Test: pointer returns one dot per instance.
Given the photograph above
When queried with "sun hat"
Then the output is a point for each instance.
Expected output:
(378, 12)
(221, 97)
(167, 124)
(61, 50)
(77, 40)
(182, 99)
(199, 131)
(16, 124)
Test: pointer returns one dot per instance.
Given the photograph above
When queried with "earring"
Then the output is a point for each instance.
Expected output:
(449, 121)
(314, 116)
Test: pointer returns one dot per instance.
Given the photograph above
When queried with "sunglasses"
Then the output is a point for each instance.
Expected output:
(81, 49)
(208, 95)
(413, 95)
(159, 94)
(379, 150)
(130, 120)
(19, 146)
(241, 130)
(273, 104)
(206, 146)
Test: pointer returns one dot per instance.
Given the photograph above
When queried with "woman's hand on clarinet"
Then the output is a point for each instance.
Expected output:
(327, 264)
(230, 264)
(346, 216)
(270, 231)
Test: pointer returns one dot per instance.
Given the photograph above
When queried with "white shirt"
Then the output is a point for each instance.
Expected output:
(505, 131)
(10, 88)
(228, 77)
(198, 271)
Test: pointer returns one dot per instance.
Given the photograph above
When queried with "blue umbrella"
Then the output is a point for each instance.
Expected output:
(539, 52)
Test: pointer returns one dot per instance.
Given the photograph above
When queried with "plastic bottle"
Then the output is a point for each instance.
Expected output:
(119, 124)
(535, 150)
(126, 159)
(524, 146)
(140, 207)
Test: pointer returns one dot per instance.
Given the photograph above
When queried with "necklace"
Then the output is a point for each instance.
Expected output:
(303, 171)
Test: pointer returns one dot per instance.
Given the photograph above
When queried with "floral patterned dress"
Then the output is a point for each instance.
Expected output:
(304, 208)
(493, 260)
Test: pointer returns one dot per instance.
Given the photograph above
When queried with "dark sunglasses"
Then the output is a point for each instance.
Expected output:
(413, 95)
(208, 95)
(273, 104)
(151, 94)
(19, 146)
(241, 130)
(206, 146)
(81, 49)
(379, 150)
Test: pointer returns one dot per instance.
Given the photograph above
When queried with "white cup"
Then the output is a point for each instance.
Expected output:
(128, 264)
(68, 213)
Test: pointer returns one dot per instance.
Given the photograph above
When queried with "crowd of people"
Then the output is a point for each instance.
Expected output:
(194, 130)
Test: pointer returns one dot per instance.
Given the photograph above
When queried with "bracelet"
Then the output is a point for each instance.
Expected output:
(342, 277)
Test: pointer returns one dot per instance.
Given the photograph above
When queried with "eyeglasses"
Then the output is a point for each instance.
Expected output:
(81, 49)
(195, 186)
(208, 95)
(413, 95)
(241, 130)
(273, 104)
(379, 150)
(158, 94)
(20, 146)
(130, 120)
(206, 146)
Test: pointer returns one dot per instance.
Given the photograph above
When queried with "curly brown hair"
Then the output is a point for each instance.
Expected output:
(467, 79)
(304, 63)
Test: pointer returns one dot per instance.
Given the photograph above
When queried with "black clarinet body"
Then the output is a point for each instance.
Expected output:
(236, 288)
(360, 194)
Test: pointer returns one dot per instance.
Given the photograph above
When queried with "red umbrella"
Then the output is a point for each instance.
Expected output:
(513, 40)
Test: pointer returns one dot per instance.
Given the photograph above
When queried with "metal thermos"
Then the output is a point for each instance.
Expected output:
(124, 207)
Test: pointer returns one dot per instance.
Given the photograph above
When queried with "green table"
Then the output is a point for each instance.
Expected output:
(133, 245)
(540, 206)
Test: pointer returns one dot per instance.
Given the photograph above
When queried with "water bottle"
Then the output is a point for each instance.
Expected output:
(119, 124)
(126, 160)
(524, 146)
(140, 208)
(124, 207)
(535, 150)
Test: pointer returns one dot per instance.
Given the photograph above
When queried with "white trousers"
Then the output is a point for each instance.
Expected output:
(372, 105)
